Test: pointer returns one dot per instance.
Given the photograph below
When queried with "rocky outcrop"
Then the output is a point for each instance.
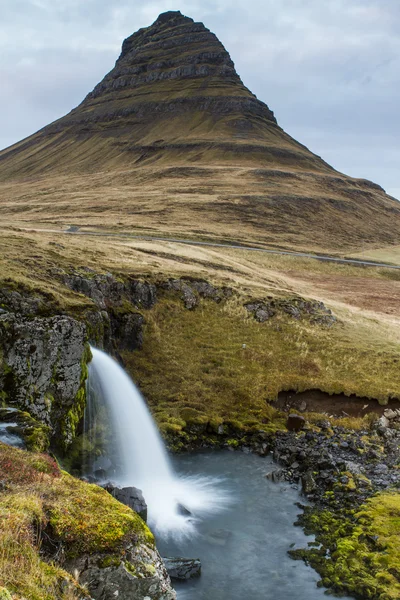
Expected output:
(193, 289)
(117, 323)
(72, 539)
(298, 308)
(141, 575)
(43, 369)
(42, 366)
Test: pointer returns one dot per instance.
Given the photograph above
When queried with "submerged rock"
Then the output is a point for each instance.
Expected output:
(183, 568)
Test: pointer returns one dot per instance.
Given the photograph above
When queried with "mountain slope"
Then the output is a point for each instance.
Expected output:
(173, 142)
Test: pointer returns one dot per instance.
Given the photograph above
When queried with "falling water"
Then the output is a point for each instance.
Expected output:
(141, 456)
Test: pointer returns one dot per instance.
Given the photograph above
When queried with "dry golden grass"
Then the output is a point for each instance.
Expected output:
(207, 203)
(195, 359)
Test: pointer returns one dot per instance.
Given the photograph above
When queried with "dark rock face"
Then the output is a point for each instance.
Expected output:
(173, 49)
(130, 496)
(183, 568)
(42, 369)
(118, 318)
(194, 289)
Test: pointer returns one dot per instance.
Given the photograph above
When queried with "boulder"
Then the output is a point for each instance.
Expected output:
(295, 422)
(183, 568)
(130, 496)
(276, 476)
(139, 575)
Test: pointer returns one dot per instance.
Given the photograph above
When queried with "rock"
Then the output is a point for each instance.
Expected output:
(44, 369)
(308, 483)
(128, 329)
(295, 422)
(353, 467)
(182, 510)
(390, 414)
(140, 575)
(383, 422)
(130, 496)
(296, 307)
(276, 476)
(183, 568)
(381, 468)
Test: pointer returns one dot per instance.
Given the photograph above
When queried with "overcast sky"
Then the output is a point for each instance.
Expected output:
(329, 69)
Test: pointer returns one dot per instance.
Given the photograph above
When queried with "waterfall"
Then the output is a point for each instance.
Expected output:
(136, 450)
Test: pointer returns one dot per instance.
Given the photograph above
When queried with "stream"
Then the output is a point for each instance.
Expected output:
(243, 550)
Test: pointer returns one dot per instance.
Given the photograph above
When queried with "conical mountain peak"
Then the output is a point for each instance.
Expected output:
(187, 146)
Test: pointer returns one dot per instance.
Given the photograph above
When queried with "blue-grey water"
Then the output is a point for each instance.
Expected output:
(243, 550)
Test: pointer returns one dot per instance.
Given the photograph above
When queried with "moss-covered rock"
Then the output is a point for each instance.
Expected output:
(359, 550)
(97, 536)
(43, 369)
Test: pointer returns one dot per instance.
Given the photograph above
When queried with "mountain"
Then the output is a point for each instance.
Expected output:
(172, 142)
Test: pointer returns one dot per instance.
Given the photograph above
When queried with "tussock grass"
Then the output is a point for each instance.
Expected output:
(221, 363)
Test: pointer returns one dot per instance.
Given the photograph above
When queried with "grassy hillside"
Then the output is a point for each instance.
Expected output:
(193, 366)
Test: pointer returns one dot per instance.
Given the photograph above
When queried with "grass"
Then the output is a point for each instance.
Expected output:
(220, 363)
(41, 503)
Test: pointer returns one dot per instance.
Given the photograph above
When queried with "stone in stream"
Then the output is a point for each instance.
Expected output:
(130, 496)
(276, 476)
(295, 422)
(183, 568)
(182, 510)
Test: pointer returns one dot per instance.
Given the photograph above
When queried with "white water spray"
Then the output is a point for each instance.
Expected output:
(144, 462)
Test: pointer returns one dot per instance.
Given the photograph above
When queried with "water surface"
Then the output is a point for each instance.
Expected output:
(243, 550)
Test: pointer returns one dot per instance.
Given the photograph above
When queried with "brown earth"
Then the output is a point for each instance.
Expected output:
(337, 405)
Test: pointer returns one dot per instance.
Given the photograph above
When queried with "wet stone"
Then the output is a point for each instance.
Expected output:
(183, 568)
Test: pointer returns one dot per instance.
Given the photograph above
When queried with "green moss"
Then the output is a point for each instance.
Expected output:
(37, 438)
(75, 414)
(88, 519)
(360, 551)
(131, 568)
(112, 560)
(5, 594)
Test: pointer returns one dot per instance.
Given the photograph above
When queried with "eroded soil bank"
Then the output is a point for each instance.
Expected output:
(338, 405)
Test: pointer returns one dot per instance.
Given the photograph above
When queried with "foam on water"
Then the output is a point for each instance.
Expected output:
(143, 460)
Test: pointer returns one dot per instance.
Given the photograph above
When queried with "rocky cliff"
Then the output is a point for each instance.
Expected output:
(172, 142)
